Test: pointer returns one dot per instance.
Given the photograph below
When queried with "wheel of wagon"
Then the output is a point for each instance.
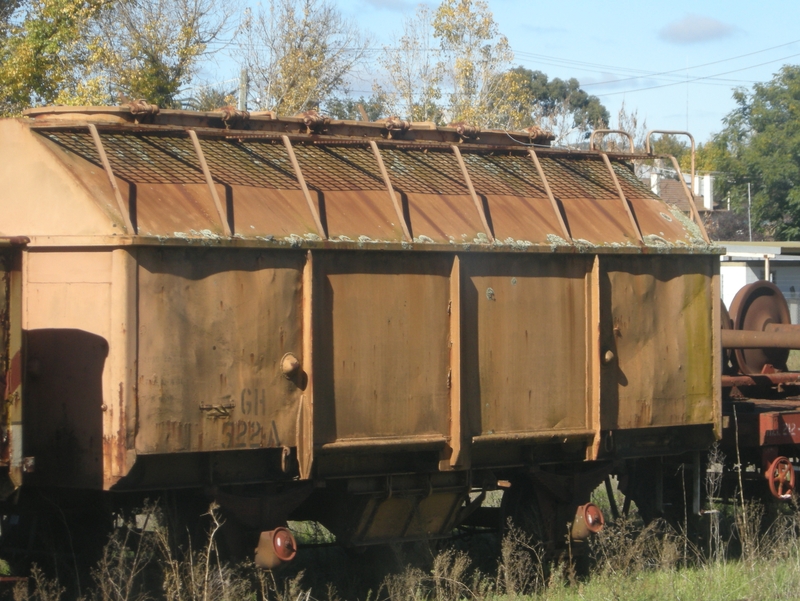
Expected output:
(520, 510)
(753, 308)
(780, 476)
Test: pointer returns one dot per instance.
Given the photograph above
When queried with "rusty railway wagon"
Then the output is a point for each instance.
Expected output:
(370, 325)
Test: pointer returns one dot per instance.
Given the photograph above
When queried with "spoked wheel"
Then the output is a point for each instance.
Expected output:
(780, 476)
(753, 308)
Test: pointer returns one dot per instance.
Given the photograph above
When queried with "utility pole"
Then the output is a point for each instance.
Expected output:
(243, 90)
(749, 223)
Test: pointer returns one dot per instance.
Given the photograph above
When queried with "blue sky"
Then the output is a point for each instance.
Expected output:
(600, 42)
(619, 49)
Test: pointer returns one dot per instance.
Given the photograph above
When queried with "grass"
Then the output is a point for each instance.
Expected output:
(738, 560)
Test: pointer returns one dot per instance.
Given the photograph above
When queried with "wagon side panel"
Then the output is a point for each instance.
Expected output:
(213, 328)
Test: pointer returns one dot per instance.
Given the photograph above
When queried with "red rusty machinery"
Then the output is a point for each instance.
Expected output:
(780, 476)
(757, 338)
(588, 520)
(275, 548)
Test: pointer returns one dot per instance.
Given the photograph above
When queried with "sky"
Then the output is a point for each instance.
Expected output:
(675, 63)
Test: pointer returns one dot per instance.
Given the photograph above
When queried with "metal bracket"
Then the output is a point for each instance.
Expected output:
(475, 199)
(125, 211)
(302, 181)
(624, 200)
(388, 183)
(549, 192)
(226, 227)
(603, 132)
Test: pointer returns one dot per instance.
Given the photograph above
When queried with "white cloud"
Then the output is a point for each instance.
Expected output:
(695, 28)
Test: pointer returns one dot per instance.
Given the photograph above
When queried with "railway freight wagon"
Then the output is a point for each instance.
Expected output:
(366, 324)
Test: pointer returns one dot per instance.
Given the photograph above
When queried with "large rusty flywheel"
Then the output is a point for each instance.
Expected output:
(759, 307)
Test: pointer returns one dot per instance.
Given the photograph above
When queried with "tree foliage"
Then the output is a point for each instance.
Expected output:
(209, 98)
(414, 71)
(453, 64)
(760, 145)
(474, 54)
(299, 53)
(151, 48)
(673, 145)
(44, 53)
(348, 108)
(531, 98)
(103, 51)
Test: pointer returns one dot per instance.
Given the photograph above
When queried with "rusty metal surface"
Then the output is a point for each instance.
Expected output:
(762, 380)
(371, 337)
(754, 307)
(659, 226)
(213, 328)
(67, 319)
(762, 423)
(524, 334)
(659, 331)
(770, 337)
(319, 329)
(11, 367)
(352, 200)
(381, 352)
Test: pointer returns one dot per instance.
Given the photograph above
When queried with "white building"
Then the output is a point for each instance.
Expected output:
(746, 262)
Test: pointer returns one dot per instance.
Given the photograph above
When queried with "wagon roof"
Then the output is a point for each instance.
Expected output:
(226, 177)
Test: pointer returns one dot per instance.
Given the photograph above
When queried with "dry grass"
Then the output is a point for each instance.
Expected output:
(745, 558)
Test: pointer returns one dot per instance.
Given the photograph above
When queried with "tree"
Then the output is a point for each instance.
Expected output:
(7, 10)
(530, 98)
(43, 53)
(151, 48)
(453, 64)
(103, 51)
(474, 54)
(760, 145)
(299, 53)
(348, 108)
(209, 98)
(415, 71)
(673, 145)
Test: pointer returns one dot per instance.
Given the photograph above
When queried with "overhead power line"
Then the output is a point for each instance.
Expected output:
(646, 74)
(678, 83)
